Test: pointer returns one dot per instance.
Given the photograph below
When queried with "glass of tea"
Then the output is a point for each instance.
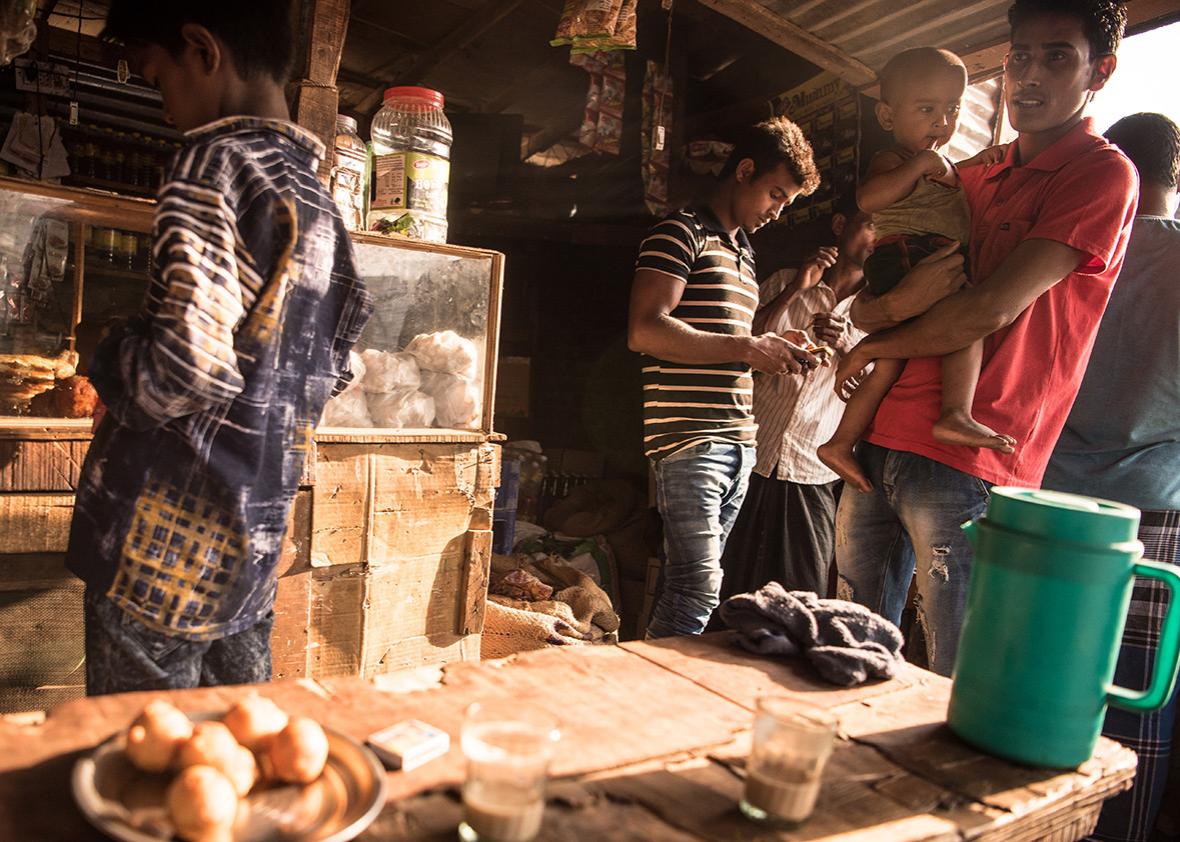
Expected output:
(792, 743)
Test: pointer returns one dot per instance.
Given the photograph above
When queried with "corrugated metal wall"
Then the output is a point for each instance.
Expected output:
(976, 120)
(873, 30)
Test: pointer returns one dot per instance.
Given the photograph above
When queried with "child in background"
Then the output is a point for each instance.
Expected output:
(918, 208)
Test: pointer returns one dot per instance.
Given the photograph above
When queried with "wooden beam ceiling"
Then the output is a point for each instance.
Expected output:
(488, 15)
(787, 35)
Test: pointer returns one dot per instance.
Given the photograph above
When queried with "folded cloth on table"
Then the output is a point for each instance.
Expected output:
(845, 642)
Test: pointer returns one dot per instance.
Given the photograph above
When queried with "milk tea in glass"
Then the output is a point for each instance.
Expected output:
(792, 742)
(508, 749)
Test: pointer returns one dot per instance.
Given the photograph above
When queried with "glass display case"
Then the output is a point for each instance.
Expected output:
(71, 260)
(426, 360)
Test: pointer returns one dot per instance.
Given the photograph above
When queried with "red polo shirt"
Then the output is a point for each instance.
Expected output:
(1081, 191)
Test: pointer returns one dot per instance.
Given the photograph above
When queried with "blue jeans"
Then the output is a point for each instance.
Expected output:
(123, 655)
(908, 525)
(699, 492)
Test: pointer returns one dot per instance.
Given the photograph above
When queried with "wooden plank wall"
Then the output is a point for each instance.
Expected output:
(41, 643)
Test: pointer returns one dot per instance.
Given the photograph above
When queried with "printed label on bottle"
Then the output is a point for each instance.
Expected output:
(427, 178)
(348, 187)
(416, 205)
(389, 180)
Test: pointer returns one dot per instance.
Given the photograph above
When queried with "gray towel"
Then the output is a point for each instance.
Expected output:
(845, 642)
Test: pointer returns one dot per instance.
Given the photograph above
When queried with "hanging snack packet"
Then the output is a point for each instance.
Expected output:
(587, 19)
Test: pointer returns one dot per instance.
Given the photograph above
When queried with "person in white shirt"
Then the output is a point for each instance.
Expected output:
(785, 531)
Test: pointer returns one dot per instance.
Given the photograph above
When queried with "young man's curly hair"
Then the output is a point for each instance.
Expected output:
(1103, 21)
(773, 142)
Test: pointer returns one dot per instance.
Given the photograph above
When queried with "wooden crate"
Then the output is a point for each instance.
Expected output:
(385, 567)
(389, 559)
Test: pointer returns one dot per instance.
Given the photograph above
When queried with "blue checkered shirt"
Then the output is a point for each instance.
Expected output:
(214, 389)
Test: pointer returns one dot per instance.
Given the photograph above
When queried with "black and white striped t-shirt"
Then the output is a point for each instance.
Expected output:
(689, 403)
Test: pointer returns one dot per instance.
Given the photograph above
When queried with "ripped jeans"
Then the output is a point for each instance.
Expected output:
(907, 526)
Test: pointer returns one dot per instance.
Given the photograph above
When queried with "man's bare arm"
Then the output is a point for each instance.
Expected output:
(807, 276)
(932, 280)
(973, 313)
(652, 331)
(891, 178)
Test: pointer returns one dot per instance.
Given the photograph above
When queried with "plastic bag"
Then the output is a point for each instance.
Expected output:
(348, 409)
(356, 366)
(401, 409)
(444, 351)
(456, 399)
(587, 18)
(386, 372)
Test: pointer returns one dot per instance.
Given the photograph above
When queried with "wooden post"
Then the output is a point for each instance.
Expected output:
(81, 232)
(778, 29)
(325, 23)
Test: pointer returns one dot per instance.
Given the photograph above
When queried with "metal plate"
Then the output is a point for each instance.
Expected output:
(128, 804)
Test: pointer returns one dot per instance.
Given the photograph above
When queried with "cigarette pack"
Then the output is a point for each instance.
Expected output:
(409, 744)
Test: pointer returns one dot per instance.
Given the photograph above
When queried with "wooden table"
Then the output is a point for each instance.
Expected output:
(655, 736)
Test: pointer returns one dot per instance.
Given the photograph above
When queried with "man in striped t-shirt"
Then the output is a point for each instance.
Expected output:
(692, 310)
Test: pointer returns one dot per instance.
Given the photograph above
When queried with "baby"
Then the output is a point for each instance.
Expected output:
(918, 207)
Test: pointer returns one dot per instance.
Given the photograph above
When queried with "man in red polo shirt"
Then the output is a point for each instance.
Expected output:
(1049, 227)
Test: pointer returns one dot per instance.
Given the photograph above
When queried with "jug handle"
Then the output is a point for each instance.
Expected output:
(1167, 658)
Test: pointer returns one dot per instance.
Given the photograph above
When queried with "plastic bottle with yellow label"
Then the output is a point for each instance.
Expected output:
(411, 165)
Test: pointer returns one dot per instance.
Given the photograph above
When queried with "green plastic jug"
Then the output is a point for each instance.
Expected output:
(1050, 584)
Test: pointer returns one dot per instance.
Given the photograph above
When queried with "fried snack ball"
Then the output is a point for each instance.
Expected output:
(202, 805)
(254, 721)
(213, 744)
(298, 753)
(156, 735)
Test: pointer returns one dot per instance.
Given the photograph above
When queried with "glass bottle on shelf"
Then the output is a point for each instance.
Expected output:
(349, 161)
(126, 248)
(106, 162)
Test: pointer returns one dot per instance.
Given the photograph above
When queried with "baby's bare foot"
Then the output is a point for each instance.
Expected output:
(961, 428)
(838, 456)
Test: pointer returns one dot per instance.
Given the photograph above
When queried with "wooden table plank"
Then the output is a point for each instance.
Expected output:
(654, 748)
(716, 662)
(614, 708)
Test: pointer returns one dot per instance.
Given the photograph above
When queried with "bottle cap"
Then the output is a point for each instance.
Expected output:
(418, 96)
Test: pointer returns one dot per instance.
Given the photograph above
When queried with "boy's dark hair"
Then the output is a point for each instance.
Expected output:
(1152, 142)
(773, 142)
(846, 205)
(258, 33)
(1103, 21)
(918, 62)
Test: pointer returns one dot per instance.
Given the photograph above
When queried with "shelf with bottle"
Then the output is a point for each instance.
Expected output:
(124, 162)
(117, 254)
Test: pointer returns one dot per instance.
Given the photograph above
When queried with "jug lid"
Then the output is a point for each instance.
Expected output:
(1055, 514)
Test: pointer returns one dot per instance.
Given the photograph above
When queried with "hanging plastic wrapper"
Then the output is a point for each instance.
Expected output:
(657, 112)
(602, 119)
(592, 26)
(17, 28)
